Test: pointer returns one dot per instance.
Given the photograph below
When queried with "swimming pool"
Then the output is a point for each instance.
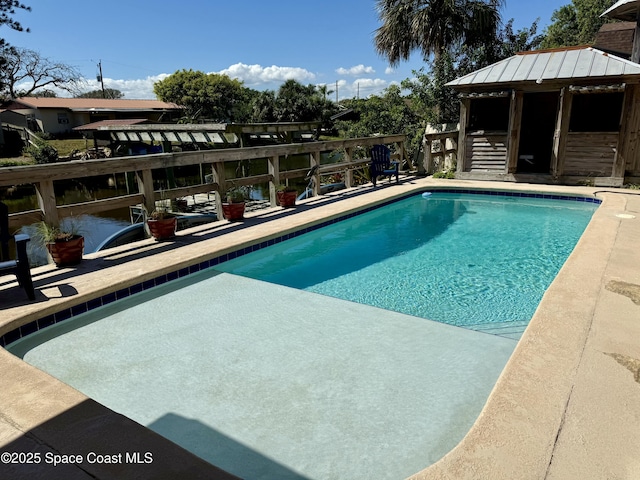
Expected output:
(267, 395)
(477, 261)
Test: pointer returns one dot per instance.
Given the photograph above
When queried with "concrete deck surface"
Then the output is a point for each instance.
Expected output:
(567, 404)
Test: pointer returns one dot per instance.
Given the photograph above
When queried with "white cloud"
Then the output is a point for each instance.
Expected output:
(389, 70)
(136, 89)
(362, 87)
(355, 70)
(256, 75)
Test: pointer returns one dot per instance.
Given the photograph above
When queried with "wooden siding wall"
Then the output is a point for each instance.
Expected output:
(590, 153)
(629, 141)
(486, 152)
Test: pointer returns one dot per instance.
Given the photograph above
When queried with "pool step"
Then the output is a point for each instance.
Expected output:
(513, 330)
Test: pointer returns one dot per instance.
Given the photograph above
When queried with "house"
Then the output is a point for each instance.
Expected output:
(569, 115)
(58, 116)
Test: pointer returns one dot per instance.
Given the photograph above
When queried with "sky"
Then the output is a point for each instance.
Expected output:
(260, 42)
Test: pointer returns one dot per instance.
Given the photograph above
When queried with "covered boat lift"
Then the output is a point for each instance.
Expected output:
(162, 138)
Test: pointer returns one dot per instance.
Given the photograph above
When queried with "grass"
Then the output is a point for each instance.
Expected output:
(64, 148)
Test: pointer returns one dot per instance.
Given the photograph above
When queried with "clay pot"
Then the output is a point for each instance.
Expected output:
(163, 228)
(67, 252)
(286, 198)
(233, 211)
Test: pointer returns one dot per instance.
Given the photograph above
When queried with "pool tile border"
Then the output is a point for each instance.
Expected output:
(44, 322)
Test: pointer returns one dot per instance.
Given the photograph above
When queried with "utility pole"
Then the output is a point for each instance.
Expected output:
(336, 91)
(99, 77)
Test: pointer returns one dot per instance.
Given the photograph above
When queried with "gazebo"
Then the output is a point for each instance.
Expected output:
(568, 115)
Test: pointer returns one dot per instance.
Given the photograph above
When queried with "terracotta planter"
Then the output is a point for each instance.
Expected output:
(164, 228)
(286, 198)
(233, 211)
(67, 252)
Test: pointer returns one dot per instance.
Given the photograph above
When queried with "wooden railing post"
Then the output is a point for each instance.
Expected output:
(46, 196)
(314, 159)
(428, 157)
(145, 186)
(221, 191)
(348, 178)
(274, 170)
(462, 134)
(515, 126)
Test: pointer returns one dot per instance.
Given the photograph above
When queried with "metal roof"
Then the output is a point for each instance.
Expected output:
(104, 123)
(137, 130)
(567, 63)
(623, 10)
(95, 104)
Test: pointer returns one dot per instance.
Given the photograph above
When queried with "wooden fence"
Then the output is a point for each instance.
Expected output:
(44, 176)
(440, 150)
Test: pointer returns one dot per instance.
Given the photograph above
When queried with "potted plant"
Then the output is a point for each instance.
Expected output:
(286, 196)
(162, 223)
(233, 208)
(64, 245)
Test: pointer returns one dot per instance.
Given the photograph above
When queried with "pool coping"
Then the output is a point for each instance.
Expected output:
(509, 411)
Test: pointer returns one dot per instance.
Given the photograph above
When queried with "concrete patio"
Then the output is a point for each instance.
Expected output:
(567, 404)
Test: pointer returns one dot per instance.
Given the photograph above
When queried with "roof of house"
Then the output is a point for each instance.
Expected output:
(94, 104)
(616, 38)
(623, 10)
(585, 63)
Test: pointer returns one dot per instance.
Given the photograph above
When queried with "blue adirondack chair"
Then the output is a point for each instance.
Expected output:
(381, 164)
(20, 266)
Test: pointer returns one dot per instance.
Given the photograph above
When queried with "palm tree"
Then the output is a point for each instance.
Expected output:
(433, 26)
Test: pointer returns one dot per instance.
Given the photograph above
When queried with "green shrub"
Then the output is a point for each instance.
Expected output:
(445, 174)
(42, 152)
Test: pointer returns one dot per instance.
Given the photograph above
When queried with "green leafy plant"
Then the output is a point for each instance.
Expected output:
(237, 194)
(285, 188)
(445, 174)
(42, 152)
(48, 233)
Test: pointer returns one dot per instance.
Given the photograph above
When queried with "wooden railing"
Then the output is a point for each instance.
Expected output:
(44, 176)
(440, 150)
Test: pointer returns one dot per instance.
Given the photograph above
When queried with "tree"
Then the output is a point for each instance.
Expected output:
(297, 103)
(386, 114)
(263, 106)
(433, 101)
(108, 93)
(433, 26)
(26, 72)
(293, 102)
(211, 96)
(7, 8)
(506, 44)
(576, 23)
(44, 93)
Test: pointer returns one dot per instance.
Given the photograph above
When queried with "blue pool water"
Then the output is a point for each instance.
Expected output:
(461, 259)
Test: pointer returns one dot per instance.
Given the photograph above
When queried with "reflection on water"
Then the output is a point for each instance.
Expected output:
(94, 229)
